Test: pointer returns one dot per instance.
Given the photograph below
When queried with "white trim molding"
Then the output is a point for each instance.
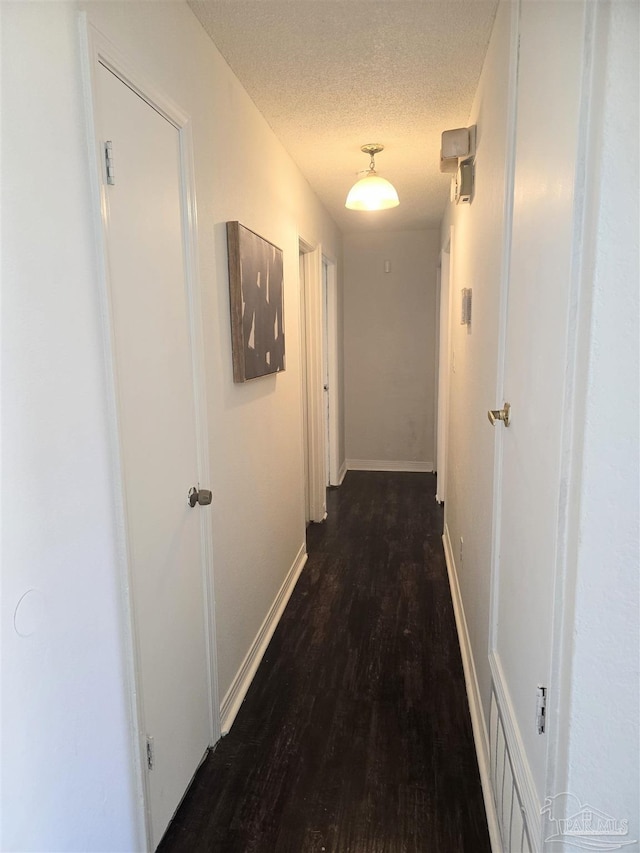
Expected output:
(342, 473)
(478, 722)
(235, 694)
(388, 465)
(522, 775)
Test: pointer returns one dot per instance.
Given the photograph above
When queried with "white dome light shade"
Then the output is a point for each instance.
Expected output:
(372, 193)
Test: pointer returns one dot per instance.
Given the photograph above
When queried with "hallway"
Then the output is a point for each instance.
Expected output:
(355, 734)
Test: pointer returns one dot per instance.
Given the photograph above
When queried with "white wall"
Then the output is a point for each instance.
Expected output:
(66, 753)
(389, 348)
(602, 713)
(67, 771)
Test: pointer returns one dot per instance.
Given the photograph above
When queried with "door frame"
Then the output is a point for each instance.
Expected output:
(312, 384)
(98, 50)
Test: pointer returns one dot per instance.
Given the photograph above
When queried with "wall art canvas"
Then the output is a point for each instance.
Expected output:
(257, 304)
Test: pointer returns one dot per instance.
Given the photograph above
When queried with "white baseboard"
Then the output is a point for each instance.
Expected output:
(478, 722)
(387, 465)
(240, 684)
(342, 472)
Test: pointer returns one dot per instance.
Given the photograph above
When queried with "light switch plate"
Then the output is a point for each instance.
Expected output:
(465, 306)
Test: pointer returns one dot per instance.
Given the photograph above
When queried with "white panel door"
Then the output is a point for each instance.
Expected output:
(443, 374)
(325, 374)
(311, 319)
(157, 428)
(304, 392)
(530, 489)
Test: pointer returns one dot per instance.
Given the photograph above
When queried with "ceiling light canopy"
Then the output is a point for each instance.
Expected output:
(372, 192)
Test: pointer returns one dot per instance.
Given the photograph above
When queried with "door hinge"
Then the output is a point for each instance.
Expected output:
(108, 160)
(150, 756)
(541, 708)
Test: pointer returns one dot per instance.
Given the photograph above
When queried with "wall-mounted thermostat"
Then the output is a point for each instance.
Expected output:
(464, 182)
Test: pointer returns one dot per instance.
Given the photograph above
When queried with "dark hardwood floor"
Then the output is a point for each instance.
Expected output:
(355, 734)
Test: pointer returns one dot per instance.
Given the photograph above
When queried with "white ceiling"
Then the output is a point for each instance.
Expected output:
(332, 75)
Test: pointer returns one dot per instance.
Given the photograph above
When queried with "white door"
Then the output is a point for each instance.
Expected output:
(325, 373)
(332, 381)
(304, 392)
(156, 413)
(529, 488)
(314, 432)
(443, 374)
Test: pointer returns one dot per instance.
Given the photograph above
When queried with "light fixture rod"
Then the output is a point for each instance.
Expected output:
(372, 149)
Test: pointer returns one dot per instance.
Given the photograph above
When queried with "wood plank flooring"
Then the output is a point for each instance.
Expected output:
(355, 735)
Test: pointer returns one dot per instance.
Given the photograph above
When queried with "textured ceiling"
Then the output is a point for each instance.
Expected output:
(332, 75)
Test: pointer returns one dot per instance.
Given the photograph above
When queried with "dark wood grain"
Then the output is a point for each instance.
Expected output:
(355, 734)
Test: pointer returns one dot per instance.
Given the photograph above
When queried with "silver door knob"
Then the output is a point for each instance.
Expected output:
(503, 415)
(199, 496)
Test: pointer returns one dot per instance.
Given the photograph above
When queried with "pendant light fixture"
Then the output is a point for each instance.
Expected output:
(372, 192)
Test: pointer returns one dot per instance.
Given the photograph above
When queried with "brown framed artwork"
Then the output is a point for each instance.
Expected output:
(257, 304)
